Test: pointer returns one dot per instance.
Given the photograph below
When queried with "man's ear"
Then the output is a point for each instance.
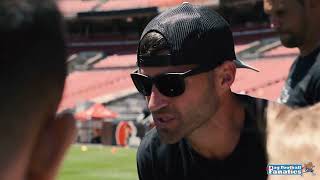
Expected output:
(51, 146)
(227, 73)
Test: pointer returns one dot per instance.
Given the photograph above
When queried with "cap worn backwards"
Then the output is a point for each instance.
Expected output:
(195, 34)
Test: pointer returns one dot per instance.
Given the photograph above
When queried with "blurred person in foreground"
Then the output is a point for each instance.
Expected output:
(297, 22)
(293, 138)
(186, 65)
(33, 139)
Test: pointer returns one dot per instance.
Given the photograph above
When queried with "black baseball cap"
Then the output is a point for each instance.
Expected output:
(195, 34)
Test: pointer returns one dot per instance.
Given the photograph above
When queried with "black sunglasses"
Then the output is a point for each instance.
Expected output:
(168, 84)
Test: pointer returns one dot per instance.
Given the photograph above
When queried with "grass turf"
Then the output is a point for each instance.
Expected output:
(99, 163)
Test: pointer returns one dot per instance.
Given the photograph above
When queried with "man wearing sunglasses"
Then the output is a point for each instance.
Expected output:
(186, 65)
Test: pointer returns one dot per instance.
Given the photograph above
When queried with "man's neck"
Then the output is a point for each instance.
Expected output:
(220, 135)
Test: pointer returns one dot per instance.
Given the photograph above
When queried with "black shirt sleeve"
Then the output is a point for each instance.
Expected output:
(315, 86)
(303, 84)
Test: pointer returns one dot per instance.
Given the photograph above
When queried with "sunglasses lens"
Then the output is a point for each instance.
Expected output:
(170, 85)
(142, 83)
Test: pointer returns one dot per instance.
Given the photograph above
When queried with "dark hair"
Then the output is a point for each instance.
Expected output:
(32, 48)
(152, 43)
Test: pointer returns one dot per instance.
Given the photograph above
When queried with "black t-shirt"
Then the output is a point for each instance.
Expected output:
(158, 161)
(302, 87)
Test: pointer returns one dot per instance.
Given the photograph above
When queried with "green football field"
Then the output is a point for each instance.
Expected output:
(99, 163)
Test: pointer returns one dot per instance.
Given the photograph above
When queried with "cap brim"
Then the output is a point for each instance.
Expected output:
(241, 64)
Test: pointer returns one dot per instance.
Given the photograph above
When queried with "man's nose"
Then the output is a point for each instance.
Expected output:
(267, 6)
(156, 100)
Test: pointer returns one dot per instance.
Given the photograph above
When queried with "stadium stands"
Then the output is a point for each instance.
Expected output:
(82, 86)
(268, 82)
(120, 36)
(111, 75)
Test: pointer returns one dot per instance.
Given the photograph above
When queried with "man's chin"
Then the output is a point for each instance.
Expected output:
(168, 138)
(289, 42)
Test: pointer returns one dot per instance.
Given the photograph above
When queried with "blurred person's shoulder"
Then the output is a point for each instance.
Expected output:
(299, 132)
(313, 82)
(316, 72)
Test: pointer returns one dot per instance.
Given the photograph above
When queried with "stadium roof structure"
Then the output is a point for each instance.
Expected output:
(239, 2)
(110, 78)
(112, 5)
(111, 8)
(70, 8)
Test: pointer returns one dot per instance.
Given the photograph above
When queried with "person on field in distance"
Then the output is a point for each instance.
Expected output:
(297, 22)
(33, 71)
(186, 65)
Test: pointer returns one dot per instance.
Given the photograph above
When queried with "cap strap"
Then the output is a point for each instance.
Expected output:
(149, 61)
